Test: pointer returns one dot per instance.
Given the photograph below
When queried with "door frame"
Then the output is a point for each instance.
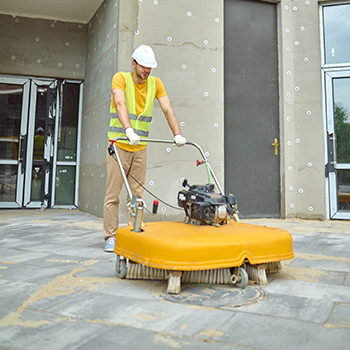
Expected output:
(48, 151)
(75, 163)
(25, 82)
(330, 150)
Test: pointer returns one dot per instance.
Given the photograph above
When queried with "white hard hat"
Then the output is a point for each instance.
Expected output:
(145, 56)
(40, 129)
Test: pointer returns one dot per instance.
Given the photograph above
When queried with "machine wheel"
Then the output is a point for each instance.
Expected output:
(243, 279)
(120, 268)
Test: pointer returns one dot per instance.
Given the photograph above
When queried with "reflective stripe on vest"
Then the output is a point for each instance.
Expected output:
(140, 124)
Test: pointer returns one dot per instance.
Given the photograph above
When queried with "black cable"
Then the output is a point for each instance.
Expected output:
(149, 192)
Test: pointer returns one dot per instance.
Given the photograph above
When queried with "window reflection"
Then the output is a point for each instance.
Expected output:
(343, 180)
(337, 33)
(65, 185)
(10, 123)
(67, 145)
(10, 119)
(341, 88)
(67, 134)
(39, 144)
(8, 182)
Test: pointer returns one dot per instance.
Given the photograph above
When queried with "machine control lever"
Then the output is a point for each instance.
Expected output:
(155, 206)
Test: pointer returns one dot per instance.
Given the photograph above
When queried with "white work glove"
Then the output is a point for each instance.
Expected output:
(134, 139)
(179, 140)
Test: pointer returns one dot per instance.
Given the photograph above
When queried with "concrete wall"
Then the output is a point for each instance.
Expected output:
(101, 65)
(190, 63)
(187, 38)
(302, 125)
(38, 47)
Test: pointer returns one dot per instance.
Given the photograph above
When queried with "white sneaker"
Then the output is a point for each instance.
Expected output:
(110, 244)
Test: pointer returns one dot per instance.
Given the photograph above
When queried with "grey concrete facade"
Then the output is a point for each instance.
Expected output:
(303, 173)
(42, 48)
(101, 65)
(190, 58)
(190, 64)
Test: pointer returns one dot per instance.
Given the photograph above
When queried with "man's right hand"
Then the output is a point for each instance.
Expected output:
(134, 139)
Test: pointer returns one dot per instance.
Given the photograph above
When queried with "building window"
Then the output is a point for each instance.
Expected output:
(336, 34)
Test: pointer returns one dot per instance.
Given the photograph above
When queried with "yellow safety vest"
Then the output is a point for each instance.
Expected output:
(38, 152)
(141, 123)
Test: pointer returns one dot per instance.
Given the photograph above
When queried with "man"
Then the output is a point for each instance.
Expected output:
(133, 95)
(39, 139)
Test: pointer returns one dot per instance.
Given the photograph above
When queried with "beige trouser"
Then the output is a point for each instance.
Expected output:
(134, 163)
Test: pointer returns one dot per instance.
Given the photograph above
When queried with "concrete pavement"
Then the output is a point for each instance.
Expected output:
(58, 290)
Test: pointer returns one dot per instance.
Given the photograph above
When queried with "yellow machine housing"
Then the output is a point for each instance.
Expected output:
(178, 246)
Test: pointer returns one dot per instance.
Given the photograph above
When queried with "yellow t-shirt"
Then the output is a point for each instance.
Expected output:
(119, 82)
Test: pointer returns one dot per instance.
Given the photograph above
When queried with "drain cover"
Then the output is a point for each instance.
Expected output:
(211, 295)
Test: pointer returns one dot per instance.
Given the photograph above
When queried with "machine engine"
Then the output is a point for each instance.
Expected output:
(203, 206)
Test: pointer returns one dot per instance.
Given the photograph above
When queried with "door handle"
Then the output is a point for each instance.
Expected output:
(333, 139)
(20, 156)
(22, 148)
(276, 146)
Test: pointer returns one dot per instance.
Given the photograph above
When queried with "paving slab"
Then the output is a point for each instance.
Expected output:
(295, 308)
(136, 339)
(19, 256)
(319, 291)
(141, 289)
(41, 331)
(57, 260)
(53, 238)
(51, 248)
(340, 316)
(18, 230)
(29, 273)
(347, 280)
(303, 242)
(318, 263)
(144, 314)
(14, 293)
(50, 301)
(17, 294)
(281, 333)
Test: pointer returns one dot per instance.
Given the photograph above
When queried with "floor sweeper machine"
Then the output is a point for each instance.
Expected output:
(211, 245)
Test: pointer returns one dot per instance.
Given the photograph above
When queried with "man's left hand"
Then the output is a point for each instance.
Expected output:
(179, 140)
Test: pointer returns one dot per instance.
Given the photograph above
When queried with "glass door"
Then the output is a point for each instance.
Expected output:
(65, 189)
(14, 97)
(335, 29)
(39, 142)
(44, 100)
(338, 134)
